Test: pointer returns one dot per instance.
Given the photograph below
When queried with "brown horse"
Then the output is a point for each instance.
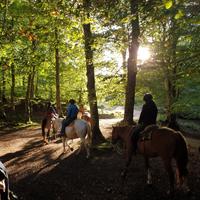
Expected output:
(47, 124)
(157, 141)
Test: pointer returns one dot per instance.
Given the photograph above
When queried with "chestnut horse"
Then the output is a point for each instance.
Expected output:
(47, 125)
(157, 141)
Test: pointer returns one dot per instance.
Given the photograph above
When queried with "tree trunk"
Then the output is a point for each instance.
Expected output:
(27, 101)
(32, 85)
(132, 65)
(12, 92)
(97, 135)
(3, 97)
(172, 91)
(36, 84)
(124, 64)
(57, 59)
(4, 21)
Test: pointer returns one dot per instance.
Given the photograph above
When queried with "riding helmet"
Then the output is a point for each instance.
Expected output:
(72, 101)
(147, 97)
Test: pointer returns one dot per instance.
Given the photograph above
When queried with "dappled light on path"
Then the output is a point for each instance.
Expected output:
(40, 171)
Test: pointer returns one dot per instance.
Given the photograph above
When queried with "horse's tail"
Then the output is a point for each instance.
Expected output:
(89, 133)
(44, 122)
(181, 155)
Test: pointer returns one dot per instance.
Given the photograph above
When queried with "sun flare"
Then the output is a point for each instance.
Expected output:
(143, 54)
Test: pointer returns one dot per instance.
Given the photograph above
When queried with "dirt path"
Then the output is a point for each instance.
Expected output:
(39, 172)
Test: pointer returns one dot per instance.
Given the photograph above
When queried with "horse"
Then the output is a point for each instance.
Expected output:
(47, 124)
(79, 128)
(85, 115)
(160, 142)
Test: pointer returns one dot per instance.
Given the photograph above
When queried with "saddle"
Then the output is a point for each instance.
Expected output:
(71, 124)
(146, 134)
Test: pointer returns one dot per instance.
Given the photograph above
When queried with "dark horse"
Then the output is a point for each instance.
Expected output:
(47, 124)
(157, 141)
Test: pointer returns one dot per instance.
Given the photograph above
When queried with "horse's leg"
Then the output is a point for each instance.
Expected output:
(181, 177)
(148, 169)
(129, 151)
(168, 167)
(80, 148)
(70, 148)
(86, 148)
(48, 135)
(44, 137)
(181, 182)
(53, 128)
(185, 186)
(65, 140)
(178, 180)
(45, 140)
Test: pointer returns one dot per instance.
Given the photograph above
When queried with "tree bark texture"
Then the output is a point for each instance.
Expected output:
(57, 59)
(32, 86)
(171, 78)
(28, 101)
(3, 94)
(12, 92)
(132, 64)
(97, 135)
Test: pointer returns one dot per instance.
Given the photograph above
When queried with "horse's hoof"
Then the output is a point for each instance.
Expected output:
(88, 156)
(189, 193)
(123, 175)
(45, 142)
(170, 193)
(149, 183)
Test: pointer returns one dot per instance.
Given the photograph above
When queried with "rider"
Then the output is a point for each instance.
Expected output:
(147, 117)
(5, 192)
(71, 114)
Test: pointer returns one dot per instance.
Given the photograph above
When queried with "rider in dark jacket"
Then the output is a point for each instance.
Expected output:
(71, 114)
(147, 117)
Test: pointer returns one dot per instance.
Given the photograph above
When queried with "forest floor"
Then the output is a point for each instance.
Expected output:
(42, 172)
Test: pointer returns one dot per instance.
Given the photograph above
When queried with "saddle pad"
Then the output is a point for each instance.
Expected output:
(146, 136)
(148, 131)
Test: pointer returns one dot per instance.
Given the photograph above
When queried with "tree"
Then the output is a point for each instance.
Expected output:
(97, 135)
(132, 63)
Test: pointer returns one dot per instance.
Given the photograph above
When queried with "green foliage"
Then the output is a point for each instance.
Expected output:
(24, 22)
(168, 4)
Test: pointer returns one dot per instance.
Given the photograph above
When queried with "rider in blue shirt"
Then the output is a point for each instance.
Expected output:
(71, 114)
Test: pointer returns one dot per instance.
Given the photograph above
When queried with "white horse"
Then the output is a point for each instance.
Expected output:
(77, 129)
